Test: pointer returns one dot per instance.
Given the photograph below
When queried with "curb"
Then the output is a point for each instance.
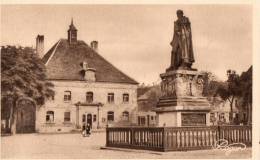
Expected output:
(132, 150)
(71, 132)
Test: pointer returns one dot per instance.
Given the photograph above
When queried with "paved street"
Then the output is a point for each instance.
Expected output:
(75, 146)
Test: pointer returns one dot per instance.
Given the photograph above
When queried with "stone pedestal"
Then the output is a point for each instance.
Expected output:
(182, 103)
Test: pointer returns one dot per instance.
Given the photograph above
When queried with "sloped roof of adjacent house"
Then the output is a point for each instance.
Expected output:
(64, 62)
(153, 89)
(150, 98)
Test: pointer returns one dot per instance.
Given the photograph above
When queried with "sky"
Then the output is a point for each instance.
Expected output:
(136, 38)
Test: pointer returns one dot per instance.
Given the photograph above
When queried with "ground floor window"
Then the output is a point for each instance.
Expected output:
(212, 117)
(141, 120)
(110, 116)
(66, 116)
(94, 118)
(49, 116)
(244, 117)
(83, 118)
(222, 117)
(126, 116)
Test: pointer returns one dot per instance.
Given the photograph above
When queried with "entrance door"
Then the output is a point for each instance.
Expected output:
(25, 122)
(89, 119)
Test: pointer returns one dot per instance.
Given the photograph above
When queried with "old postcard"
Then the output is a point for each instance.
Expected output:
(129, 81)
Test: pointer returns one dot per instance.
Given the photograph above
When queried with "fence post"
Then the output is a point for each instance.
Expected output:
(164, 139)
(132, 136)
(107, 137)
(219, 134)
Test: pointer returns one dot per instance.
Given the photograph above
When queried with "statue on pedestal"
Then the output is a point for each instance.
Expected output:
(182, 86)
(182, 51)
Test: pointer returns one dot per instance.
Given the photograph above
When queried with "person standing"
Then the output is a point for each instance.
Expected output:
(84, 130)
(88, 128)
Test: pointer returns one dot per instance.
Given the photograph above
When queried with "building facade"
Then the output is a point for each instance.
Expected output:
(220, 114)
(146, 103)
(88, 89)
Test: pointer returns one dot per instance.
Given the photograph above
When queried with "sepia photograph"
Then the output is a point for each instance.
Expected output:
(127, 81)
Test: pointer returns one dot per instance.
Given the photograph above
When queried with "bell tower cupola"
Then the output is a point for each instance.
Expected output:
(72, 33)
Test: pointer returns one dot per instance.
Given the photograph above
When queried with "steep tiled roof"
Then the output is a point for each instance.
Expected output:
(64, 62)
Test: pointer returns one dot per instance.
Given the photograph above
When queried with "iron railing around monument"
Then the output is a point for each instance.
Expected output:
(176, 138)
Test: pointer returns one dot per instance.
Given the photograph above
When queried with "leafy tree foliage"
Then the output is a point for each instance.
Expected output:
(235, 86)
(211, 84)
(23, 75)
(230, 90)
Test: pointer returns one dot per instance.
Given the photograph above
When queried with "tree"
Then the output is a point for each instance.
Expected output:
(23, 75)
(153, 96)
(211, 84)
(230, 90)
(246, 84)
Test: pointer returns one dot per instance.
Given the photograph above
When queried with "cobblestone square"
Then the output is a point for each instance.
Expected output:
(74, 146)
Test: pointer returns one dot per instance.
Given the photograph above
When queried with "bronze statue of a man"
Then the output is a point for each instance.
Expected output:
(182, 51)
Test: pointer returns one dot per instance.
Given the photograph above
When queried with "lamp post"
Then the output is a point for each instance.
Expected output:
(77, 114)
(98, 108)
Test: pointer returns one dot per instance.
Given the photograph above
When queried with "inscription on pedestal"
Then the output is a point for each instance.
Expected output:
(193, 119)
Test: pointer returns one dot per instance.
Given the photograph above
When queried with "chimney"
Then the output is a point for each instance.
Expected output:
(94, 45)
(40, 45)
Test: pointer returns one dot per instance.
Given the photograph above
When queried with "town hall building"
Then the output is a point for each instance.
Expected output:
(88, 89)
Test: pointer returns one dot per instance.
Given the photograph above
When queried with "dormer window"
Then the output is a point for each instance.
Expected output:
(88, 72)
(90, 75)
(85, 65)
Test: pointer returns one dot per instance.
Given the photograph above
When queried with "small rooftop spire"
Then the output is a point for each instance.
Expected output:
(72, 33)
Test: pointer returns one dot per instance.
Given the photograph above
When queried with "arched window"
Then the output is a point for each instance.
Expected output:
(89, 97)
(49, 116)
(125, 97)
(67, 96)
(126, 115)
(110, 116)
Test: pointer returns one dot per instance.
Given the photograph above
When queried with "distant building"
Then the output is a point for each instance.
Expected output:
(242, 105)
(88, 89)
(147, 101)
(220, 113)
